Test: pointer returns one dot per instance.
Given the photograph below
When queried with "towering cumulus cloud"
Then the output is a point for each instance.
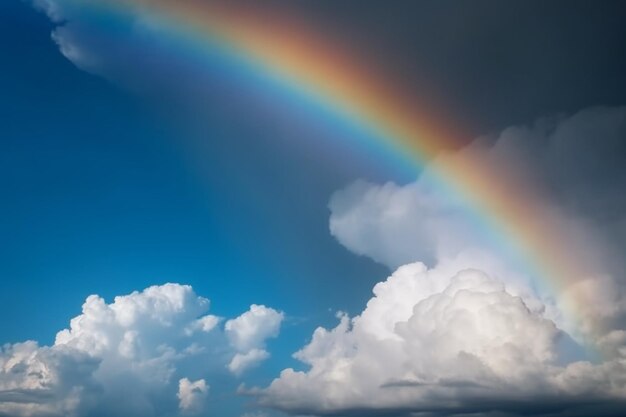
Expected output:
(149, 353)
(471, 333)
(429, 341)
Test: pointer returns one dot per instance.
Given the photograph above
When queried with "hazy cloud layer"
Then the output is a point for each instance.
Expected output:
(149, 353)
(575, 161)
(574, 165)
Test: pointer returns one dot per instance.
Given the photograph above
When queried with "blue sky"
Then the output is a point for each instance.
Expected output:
(102, 200)
(135, 175)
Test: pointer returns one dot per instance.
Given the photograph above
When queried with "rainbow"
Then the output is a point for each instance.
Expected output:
(299, 59)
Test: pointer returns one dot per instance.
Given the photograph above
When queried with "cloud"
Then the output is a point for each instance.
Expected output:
(81, 41)
(130, 50)
(429, 341)
(468, 335)
(573, 162)
(253, 327)
(52, 8)
(43, 381)
(136, 356)
(248, 332)
(579, 161)
(192, 395)
(579, 197)
(471, 332)
(244, 361)
(395, 225)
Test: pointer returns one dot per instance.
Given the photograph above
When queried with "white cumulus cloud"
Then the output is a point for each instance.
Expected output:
(247, 334)
(148, 353)
(395, 225)
(192, 395)
(243, 361)
(253, 327)
(472, 332)
(431, 341)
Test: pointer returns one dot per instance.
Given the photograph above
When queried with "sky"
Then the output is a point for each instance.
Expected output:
(312, 208)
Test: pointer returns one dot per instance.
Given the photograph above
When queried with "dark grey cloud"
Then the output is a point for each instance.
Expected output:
(579, 161)
(491, 64)
(483, 64)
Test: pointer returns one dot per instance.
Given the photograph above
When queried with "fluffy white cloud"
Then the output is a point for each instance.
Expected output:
(253, 327)
(395, 225)
(472, 334)
(244, 361)
(248, 332)
(192, 395)
(451, 339)
(136, 356)
(431, 341)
